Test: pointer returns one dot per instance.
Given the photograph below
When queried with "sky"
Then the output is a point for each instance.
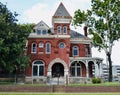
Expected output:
(33, 11)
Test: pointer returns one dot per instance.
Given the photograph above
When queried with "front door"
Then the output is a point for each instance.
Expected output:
(57, 70)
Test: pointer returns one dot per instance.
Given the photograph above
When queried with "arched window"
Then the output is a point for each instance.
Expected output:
(38, 68)
(64, 30)
(34, 48)
(48, 48)
(75, 51)
(59, 30)
(41, 45)
(75, 69)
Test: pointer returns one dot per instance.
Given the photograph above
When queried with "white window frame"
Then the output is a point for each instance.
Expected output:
(38, 66)
(48, 52)
(64, 29)
(58, 29)
(75, 48)
(32, 48)
(41, 45)
(76, 67)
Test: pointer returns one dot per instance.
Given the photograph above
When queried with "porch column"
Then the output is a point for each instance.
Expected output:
(87, 69)
(49, 73)
(66, 76)
(100, 69)
(96, 69)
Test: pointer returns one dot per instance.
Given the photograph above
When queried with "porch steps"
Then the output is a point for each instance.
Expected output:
(57, 81)
(58, 88)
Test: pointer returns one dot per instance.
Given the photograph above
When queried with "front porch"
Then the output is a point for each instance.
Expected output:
(86, 67)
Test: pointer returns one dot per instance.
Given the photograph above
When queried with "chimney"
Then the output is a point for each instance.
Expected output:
(85, 31)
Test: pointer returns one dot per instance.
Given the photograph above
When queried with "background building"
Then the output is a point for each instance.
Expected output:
(115, 72)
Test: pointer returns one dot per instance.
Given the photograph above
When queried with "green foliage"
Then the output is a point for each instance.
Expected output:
(96, 80)
(13, 38)
(103, 22)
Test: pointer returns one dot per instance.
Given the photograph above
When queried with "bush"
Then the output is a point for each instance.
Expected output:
(96, 80)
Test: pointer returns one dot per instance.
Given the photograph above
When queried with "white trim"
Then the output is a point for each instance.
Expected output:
(61, 20)
(41, 45)
(65, 27)
(34, 35)
(80, 40)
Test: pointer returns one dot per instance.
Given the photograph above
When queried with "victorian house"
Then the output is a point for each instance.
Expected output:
(60, 52)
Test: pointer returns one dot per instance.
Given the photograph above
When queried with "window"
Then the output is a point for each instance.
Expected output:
(34, 47)
(48, 48)
(87, 50)
(39, 32)
(58, 30)
(41, 45)
(64, 30)
(38, 68)
(75, 69)
(44, 32)
(75, 51)
(61, 45)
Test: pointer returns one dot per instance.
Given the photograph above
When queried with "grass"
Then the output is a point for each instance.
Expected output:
(100, 84)
(59, 93)
(43, 84)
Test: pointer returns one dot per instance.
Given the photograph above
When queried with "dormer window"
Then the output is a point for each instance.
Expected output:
(64, 30)
(44, 32)
(39, 32)
(59, 30)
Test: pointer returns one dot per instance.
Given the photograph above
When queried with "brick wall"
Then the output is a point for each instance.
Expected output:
(67, 89)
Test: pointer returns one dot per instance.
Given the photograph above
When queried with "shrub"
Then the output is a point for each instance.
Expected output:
(96, 80)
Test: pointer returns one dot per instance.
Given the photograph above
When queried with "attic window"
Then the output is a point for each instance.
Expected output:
(38, 32)
(41, 25)
(44, 32)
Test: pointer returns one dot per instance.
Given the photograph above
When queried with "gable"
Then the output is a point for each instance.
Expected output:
(41, 25)
(61, 11)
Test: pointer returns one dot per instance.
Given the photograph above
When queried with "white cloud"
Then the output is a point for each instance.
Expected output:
(44, 11)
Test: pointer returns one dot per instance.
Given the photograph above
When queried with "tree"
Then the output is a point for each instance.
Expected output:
(13, 38)
(103, 22)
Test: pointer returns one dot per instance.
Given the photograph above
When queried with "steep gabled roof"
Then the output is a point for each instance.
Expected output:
(41, 25)
(61, 11)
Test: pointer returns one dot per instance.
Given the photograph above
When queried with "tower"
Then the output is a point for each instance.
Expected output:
(61, 21)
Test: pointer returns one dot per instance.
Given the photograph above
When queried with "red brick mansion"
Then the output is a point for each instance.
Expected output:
(60, 52)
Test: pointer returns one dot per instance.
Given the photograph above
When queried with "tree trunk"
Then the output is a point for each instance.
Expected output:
(110, 67)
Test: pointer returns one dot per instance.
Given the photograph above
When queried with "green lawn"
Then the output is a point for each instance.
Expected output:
(59, 93)
(101, 84)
